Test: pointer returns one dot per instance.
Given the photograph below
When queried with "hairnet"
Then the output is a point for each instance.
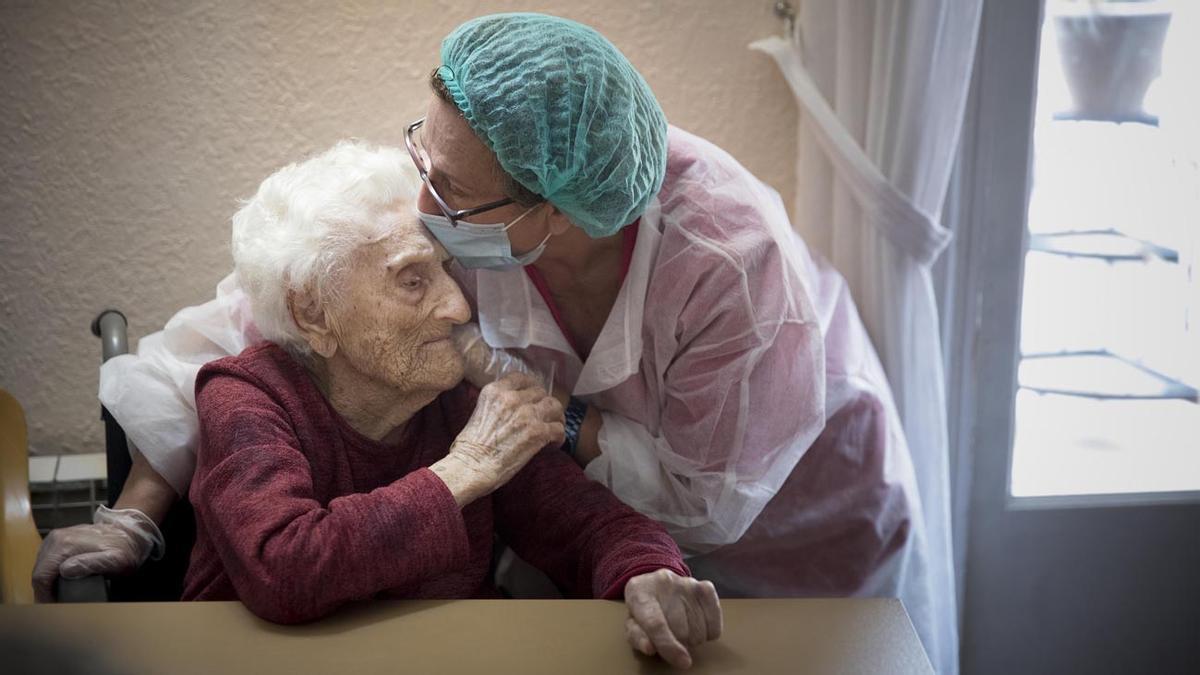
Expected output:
(564, 111)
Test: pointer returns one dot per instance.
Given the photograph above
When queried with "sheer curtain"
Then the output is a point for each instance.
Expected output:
(882, 87)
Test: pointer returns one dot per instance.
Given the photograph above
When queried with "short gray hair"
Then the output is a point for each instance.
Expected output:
(297, 232)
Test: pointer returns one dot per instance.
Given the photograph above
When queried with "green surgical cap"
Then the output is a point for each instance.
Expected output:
(564, 111)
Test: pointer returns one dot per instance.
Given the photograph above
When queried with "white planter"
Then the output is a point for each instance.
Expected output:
(1111, 52)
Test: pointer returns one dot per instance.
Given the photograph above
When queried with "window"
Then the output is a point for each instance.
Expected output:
(1107, 401)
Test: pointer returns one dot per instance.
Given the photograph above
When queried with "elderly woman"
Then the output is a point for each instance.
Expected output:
(341, 459)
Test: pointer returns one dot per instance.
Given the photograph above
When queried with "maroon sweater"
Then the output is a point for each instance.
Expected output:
(297, 513)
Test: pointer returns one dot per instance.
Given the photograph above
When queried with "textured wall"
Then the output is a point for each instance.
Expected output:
(129, 130)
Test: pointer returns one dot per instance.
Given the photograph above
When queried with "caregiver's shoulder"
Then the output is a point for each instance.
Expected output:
(715, 212)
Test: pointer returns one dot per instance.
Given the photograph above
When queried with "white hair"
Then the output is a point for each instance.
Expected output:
(299, 229)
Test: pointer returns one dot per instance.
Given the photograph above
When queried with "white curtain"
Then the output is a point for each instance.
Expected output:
(882, 87)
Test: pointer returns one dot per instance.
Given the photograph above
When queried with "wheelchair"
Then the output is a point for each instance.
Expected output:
(156, 580)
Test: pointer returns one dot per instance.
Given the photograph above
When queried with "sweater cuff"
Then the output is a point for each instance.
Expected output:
(616, 591)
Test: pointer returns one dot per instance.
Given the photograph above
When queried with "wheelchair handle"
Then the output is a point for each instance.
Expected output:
(110, 327)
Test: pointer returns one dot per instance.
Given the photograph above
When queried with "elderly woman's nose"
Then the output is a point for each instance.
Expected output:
(453, 306)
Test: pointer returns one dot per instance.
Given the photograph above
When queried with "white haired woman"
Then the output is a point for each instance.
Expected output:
(341, 458)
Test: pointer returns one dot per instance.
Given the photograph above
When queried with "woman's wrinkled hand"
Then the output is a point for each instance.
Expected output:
(670, 614)
(513, 420)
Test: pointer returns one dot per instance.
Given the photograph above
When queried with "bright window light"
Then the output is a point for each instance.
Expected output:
(1110, 341)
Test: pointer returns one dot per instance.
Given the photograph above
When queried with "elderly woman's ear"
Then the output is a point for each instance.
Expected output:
(313, 322)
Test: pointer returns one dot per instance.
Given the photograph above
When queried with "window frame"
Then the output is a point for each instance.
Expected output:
(981, 279)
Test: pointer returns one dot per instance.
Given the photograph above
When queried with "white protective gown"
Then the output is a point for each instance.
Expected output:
(152, 392)
(744, 406)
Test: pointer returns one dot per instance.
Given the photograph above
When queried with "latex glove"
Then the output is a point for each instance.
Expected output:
(483, 364)
(668, 614)
(117, 542)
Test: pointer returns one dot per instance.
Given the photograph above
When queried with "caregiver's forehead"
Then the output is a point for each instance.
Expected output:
(449, 138)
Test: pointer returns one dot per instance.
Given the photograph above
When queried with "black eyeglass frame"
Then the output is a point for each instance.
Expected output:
(453, 215)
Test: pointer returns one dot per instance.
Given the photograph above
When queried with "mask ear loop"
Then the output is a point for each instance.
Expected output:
(518, 218)
(543, 241)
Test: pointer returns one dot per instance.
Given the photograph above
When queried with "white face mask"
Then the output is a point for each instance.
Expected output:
(478, 246)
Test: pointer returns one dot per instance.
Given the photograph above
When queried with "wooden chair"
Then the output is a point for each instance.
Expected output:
(19, 538)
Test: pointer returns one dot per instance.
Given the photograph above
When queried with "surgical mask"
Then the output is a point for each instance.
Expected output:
(478, 246)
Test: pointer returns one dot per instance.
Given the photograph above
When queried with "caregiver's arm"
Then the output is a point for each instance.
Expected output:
(119, 540)
(742, 400)
(150, 394)
(145, 490)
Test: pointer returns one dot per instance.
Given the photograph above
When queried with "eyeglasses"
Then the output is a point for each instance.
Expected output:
(420, 160)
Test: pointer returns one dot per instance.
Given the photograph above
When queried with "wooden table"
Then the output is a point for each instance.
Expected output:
(462, 636)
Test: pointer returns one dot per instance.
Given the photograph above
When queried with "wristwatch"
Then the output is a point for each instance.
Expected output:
(575, 412)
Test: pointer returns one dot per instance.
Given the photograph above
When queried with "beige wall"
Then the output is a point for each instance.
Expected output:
(130, 129)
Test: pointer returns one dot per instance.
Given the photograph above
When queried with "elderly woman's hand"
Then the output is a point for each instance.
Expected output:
(513, 420)
(669, 613)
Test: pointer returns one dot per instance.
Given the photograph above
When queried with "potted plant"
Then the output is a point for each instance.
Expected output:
(1111, 51)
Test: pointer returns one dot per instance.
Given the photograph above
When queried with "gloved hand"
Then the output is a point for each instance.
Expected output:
(484, 364)
(117, 542)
